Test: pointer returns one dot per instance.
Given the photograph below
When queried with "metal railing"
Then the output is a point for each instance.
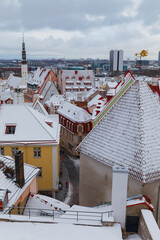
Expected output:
(59, 214)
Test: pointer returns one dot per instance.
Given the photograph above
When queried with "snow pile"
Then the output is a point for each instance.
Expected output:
(134, 237)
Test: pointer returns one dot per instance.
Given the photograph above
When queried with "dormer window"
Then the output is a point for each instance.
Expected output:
(10, 129)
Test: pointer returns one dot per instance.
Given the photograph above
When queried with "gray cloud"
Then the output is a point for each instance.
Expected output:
(78, 28)
(61, 14)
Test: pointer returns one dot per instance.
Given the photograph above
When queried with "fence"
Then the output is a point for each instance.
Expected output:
(59, 214)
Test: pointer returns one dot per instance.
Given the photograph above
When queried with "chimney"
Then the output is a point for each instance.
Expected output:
(119, 194)
(19, 166)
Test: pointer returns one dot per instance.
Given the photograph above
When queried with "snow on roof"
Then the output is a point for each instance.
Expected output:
(4, 95)
(151, 224)
(111, 92)
(73, 112)
(61, 231)
(14, 81)
(8, 181)
(138, 200)
(128, 134)
(2, 194)
(94, 101)
(42, 202)
(39, 106)
(79, 73)
(47, 87)
(90, 92)
(55, 100)
(112, 84)
(39, 76)
(30, 126)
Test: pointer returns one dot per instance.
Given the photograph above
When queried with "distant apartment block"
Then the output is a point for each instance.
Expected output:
(159, 58)
(116, 60)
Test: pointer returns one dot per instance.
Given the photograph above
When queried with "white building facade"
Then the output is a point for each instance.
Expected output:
(116, 60)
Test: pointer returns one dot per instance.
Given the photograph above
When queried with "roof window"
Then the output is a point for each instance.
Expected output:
(10, 129)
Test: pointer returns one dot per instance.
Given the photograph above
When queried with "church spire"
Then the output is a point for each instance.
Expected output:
(24, 67)
(24, 60)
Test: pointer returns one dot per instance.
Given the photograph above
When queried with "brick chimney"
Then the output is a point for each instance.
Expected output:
(19, 166)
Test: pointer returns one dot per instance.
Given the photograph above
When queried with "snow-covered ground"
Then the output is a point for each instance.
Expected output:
(41, 231)
(134, 237)
(69, 193)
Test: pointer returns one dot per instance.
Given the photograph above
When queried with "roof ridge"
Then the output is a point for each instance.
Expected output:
(142, 131)
(39, 121)
(129, 134)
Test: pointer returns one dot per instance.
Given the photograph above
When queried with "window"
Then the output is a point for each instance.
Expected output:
(79, 128)
(2, 151)
(60, 119)
(88, 126)
(13, 151)
(10, 129)
(36, 152)
(79, 139)
(40, 172)
(72, 127)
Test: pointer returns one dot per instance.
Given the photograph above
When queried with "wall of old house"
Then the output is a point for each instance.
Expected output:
(96, 186)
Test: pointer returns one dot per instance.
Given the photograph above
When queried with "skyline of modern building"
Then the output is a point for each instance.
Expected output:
(159, 58)
(116, 60)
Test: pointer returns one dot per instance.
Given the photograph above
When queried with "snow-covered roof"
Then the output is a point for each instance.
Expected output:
(111, 92)
(40, 231)
(31, 126)
(8, 181)
(139, 200)
(39, 76)
(55, 100)
(78, 79)
(128, 134)
(42, 202)
(112, 84)
(75, 74)
(14, 81)
(39, 106)
(73, 112)
(47, 87)
(94, 101)
(90, 92)
(4, 95)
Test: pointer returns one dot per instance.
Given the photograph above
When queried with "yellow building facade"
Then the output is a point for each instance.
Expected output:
(24, 128)
(45, 162)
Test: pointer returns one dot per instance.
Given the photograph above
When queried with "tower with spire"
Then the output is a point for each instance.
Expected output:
(24, 67)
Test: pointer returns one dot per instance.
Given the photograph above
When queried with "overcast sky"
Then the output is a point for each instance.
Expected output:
(79, 28)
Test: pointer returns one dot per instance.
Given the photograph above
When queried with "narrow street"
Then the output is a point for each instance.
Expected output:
(69, 180)
(73, 175)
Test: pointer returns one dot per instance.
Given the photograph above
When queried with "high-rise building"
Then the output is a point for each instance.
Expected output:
(24, 67)
(158, 58)
(116, 60)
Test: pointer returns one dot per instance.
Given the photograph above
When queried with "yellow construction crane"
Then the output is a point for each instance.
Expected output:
(143, 53)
